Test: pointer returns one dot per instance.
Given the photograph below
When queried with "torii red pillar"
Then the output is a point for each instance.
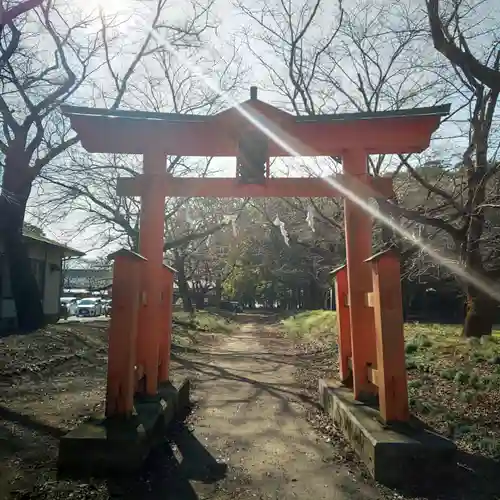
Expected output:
(358, 234)
(151, 242)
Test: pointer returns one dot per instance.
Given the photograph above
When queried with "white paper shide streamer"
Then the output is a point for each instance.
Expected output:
(279, 223)
(310, 218)
(233, 219)
(187, 217)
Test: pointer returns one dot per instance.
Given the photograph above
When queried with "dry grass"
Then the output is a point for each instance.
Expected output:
(206, 321)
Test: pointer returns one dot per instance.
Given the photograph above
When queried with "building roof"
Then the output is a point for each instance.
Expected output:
(68, 251)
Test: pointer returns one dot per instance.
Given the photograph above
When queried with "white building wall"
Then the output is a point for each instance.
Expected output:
(53, 278)
(52, 257)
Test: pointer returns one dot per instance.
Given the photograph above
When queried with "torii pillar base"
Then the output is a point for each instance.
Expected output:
(113, 446)
(398, 455)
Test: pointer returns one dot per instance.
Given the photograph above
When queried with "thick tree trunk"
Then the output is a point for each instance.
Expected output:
(480, 316)
(480, 307)
(16, 188)
(199, 299)
(313, 297)
(187, 302)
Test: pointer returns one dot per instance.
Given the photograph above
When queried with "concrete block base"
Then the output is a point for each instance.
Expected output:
(104, 446)
(395, 455)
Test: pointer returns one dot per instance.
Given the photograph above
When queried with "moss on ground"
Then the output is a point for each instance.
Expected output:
(454, 384)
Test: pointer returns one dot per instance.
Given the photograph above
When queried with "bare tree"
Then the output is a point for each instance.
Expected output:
(192, 238)
(87, 183)
(8, 14)
(371, 57)
(466, 35)
(33, 87)
(263, 264)
(379, 59)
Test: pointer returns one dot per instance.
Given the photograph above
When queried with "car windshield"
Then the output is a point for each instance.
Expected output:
(87, 302)
(67, 299)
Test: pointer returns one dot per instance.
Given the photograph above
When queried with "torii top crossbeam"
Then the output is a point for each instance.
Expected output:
(137, 132)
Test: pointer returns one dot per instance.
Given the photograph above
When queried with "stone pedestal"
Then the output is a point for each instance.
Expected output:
(394, 455)
(103, 446)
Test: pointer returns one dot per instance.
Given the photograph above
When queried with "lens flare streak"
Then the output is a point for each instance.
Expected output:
(291, 146)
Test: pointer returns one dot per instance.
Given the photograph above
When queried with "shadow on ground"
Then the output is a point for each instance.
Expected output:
(170, 469)
(474, 476)
(29, 422)
(178, 469)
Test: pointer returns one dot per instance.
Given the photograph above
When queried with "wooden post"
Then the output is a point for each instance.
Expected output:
(389, 325)
(343, 323)
(166, 331)
(122, 333)
(358, 235)
(151, 240)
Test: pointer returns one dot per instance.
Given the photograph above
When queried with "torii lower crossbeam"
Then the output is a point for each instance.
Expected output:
(285, 187)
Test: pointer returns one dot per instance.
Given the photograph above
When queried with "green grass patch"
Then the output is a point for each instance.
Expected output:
(311, 325)
(426, 345)
(187, 327)
(207, 321)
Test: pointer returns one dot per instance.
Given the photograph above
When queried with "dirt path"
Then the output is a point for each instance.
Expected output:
(251, 417)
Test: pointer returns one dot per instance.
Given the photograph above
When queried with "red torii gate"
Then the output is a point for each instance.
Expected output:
(370, 320)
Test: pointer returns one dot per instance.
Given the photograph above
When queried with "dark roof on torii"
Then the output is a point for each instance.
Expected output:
(124, 131)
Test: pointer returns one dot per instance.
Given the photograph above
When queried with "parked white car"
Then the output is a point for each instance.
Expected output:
(89, 307)
(71, 305)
